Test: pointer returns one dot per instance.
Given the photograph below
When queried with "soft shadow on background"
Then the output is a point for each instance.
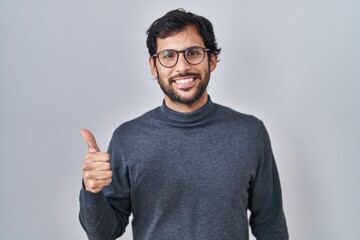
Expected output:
(67, 65)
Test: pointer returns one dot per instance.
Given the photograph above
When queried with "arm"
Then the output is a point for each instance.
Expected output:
(267, 219)
(104, 198)
(98, 217)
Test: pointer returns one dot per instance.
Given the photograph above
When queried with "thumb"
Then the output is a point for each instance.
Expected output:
(90, 140)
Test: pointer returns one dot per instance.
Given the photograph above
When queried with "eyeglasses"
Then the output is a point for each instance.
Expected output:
(169, 58)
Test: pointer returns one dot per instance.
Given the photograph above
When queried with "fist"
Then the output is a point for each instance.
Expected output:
(96, 166)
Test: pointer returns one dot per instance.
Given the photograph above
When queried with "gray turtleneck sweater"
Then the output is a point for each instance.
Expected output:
(189, 176)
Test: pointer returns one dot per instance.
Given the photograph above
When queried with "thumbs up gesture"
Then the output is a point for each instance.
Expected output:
(96, 166)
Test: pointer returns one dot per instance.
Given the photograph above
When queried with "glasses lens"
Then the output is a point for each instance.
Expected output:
(194, 55)
(167, 58)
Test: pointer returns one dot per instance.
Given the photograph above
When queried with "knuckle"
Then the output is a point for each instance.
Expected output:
(87, 157)
(107, 165)
(92, 185)
(87, 175)
(85, 167)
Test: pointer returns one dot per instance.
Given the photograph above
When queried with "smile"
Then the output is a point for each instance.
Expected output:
(184, 81)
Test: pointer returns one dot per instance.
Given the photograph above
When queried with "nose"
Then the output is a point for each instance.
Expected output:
(182, 65)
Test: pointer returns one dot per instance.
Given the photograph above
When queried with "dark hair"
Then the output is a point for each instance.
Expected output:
(174, 22)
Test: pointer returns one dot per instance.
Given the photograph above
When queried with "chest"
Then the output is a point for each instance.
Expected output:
(191, 164)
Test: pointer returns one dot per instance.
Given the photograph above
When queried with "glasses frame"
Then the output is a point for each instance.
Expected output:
(184, 52)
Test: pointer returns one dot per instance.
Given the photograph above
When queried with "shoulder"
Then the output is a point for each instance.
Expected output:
(237, 118)
(137, 126)
(242, 124)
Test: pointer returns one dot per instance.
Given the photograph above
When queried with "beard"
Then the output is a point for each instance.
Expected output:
(176, 97)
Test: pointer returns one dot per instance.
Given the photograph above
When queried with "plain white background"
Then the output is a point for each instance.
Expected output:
(67, 65)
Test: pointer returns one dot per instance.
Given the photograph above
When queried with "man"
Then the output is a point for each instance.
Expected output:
(189, 169)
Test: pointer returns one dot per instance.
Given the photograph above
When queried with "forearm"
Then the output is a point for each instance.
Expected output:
(98, 218)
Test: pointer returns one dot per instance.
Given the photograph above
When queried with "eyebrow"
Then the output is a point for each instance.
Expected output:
(169, 49)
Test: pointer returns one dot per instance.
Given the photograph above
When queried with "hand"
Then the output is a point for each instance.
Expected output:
(96, 167)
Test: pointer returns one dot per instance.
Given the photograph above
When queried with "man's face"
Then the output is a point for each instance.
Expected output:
(184, 83)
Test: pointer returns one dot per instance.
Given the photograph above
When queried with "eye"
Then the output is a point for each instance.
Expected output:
(167, 54)
(194, 52)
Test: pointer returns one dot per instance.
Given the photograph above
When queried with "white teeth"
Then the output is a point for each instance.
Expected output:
(184, 81)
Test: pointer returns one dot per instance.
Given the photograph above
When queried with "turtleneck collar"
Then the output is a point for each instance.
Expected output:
(188, 118)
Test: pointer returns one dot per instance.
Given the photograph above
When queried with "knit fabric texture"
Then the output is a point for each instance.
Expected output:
(187, 176)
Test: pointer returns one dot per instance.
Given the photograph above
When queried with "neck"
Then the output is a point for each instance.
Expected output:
(186, 108)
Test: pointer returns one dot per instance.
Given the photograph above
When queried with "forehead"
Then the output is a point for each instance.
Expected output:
(186, 38)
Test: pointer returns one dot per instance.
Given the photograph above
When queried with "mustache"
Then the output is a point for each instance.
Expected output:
(184, 75)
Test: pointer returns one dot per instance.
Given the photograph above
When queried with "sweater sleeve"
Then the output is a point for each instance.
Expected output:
(267, 219)
(105, 215)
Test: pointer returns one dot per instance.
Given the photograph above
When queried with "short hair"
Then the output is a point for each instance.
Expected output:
(174, 22)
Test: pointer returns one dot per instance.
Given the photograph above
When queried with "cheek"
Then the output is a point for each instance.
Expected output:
(205, 69)
(164, 73)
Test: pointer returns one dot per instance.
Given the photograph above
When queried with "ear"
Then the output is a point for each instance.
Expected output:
(152, 67)
(213, 61)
